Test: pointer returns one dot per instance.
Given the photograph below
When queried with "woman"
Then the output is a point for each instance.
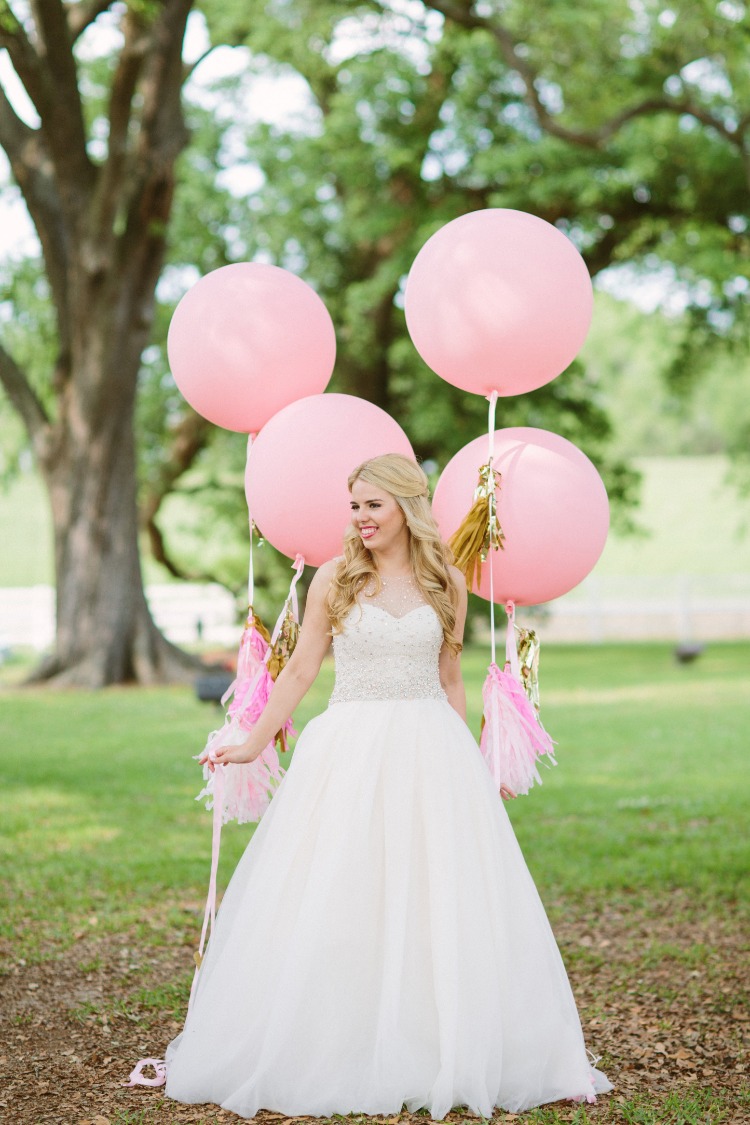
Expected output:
(381, 941)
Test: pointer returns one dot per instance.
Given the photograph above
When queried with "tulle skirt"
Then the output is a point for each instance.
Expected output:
(381, 941)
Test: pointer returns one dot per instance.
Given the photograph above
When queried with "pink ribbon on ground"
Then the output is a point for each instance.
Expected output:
(137, 1077)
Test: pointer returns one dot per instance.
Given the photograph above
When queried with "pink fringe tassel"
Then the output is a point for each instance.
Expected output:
(248, 786)
(513, 739)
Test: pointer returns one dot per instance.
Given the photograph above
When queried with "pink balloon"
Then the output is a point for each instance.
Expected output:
(498, 300)
(552, 507)
(298, 467)
(248, 339)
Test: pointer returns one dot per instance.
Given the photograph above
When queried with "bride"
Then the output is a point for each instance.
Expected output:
(381, 941)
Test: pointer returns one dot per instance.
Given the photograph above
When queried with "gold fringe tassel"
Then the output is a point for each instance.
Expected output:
(254, 621)
(479, 531)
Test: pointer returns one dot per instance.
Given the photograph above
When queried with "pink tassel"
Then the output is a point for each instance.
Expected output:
(251, 656)
(512, 738)
(248, 786)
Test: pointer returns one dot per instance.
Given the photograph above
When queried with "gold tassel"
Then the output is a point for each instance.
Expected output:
(527, 645)
(280, 654)
(285, 644)
(479, 530)
(254, 620)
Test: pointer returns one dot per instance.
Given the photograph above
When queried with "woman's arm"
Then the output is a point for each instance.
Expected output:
(294, 681)
(450, 665)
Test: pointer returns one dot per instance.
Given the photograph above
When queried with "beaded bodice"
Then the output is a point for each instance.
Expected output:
(389, 647)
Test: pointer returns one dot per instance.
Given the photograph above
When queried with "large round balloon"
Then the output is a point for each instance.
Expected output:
(248, 339)
(498, 300)
(298, 468)
(552, 507)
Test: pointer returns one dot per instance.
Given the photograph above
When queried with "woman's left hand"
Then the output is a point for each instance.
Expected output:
(507, 793)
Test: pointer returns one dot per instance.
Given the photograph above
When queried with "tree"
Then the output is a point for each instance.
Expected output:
(419, 112)
(98, 182)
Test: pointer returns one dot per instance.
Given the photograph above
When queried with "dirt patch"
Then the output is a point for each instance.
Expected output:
(662, 994)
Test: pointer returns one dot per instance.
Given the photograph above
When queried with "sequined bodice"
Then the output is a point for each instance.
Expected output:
(388, 653)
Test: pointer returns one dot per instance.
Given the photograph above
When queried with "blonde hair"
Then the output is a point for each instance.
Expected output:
(430, 558)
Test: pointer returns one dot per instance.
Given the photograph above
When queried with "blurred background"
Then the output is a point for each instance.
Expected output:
(333, 139)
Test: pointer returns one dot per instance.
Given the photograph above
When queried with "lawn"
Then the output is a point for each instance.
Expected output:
(637, 841)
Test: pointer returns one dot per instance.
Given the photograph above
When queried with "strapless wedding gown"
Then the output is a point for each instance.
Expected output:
(381, 941)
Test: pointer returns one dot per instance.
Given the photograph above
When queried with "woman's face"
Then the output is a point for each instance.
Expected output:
(376, 516)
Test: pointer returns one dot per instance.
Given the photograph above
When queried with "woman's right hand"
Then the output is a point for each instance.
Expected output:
(507, 793)
(244, 752)
(247, 751)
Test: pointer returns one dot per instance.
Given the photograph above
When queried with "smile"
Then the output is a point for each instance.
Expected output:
(367, 532)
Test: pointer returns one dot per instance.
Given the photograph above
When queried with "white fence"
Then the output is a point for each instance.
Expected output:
(186, 612)
(679, 608)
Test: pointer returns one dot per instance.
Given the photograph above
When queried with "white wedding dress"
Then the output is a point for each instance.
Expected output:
(381, 941)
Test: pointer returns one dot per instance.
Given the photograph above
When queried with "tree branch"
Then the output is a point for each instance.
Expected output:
(50, 79)
(30, 164)
(25, 60)
(161, 555)
(188, 439)
(190, 69)
(80, 16)
(62, 118)
(15, 134)
(162, 127)
(162, 134)
(23, 397)
(464, 16)
(122, 92)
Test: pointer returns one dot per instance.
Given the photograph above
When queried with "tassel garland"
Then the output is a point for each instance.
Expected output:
(480, 530)
(242, 791)
(527, 647)
(512, 738)
(248, 787)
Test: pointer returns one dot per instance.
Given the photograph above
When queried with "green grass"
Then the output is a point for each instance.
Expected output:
(26, 533)
(694, 519)
(100, 829)
(698, 1106)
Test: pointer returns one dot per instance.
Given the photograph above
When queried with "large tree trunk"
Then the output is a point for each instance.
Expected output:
(105, 633)
(102, 227)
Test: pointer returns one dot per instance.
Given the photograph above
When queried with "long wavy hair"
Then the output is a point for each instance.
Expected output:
(430, 558)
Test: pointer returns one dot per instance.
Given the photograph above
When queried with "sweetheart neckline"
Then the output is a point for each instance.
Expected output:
(369, 605)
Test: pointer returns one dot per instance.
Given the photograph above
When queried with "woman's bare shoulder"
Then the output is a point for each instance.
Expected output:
(324, 574)
(457, 577)
(458, 582)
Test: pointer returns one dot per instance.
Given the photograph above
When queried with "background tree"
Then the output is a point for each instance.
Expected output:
(413, 113)
(417, 112)
(97, 174)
